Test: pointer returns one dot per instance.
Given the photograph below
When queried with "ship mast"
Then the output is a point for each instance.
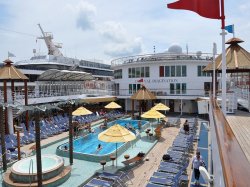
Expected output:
(53, 49)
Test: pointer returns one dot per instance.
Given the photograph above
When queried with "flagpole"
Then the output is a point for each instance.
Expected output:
(233, 31)
(223, 68)
(214, 84)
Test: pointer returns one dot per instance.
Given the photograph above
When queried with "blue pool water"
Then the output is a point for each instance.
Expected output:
(88, 144)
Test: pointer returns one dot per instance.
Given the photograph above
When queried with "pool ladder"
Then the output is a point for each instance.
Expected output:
(30, 168)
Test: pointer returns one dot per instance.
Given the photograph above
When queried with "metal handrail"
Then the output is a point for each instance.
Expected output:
(30, 168)
(235, 166)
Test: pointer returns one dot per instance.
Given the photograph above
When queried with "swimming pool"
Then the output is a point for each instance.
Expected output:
(87, 145)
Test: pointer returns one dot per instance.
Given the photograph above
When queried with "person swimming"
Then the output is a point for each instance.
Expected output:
(65, 148)
(99, 147)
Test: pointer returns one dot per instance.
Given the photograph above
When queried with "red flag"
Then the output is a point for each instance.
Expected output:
(141, 80)
(205, 8)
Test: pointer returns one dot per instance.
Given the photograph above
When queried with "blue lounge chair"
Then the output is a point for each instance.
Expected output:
(117, 177)
(99, 182)
(161, 181)
(154, 185)
(163, 175)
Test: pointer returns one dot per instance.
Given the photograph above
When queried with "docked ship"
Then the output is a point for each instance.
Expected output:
(56, 75)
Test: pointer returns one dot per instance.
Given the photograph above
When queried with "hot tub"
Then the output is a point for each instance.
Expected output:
(25, 170)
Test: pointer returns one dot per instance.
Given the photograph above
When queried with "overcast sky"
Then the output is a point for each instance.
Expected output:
(109, 29)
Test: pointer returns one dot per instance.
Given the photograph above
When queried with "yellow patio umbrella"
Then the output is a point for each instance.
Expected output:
(152, 114)
(112, 105)
(115, 134)
(81, 111)
(161, 106)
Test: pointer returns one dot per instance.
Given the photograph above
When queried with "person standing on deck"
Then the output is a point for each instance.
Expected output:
(196, 163)
(186, 127)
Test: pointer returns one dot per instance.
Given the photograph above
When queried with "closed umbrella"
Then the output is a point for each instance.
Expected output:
(116, 134)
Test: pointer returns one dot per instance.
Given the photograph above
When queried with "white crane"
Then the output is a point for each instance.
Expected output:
(53, 49)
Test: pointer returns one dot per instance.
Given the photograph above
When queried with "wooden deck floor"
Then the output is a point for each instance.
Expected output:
(240, 124)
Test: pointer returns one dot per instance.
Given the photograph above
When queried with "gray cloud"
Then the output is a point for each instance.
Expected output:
(113, 31)
(118, 40)
(124, 49)
(85, 15)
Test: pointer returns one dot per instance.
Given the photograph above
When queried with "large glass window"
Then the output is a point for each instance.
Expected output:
(129, 73)
(142, 72)
(138, 72)
(147, 72)
(172, 71)
(172, 90)
(161, 71)
(201, 73)
(178, 71)
(130, 87)
(178, 88)
(133, 88)
(167, 71)
(133, 72)
(184, 71)
(184, 88)
(118, 74)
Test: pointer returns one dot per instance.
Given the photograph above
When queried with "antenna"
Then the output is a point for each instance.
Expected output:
(154, 49)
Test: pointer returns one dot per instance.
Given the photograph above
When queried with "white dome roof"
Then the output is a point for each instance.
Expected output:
(175, 48)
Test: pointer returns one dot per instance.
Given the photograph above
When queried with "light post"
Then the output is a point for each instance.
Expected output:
(18, 130)
(2, 128)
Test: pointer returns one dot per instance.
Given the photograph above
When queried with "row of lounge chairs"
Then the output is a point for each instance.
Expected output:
(106, 179)
(172, 169)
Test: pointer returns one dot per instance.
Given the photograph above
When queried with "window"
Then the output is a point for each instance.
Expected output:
(129, 73)
(133, 72)
(142, 72)
(184, 88)
(138, 72)
(161, 71)
(178, 71)
(147, 74)
(172, 71)
(172, 91)
(184, 71)
(118, 74)
(201, 73)
(178, 88)
(167, 71)
(133, 88)
(130, 88)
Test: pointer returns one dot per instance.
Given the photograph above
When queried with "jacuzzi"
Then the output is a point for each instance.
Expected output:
(25, 170)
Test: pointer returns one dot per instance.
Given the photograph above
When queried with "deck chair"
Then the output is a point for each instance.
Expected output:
(162, 181)
(110, 176)
(132, 160)
(154, 185)
(163, 175)
(99, 182)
